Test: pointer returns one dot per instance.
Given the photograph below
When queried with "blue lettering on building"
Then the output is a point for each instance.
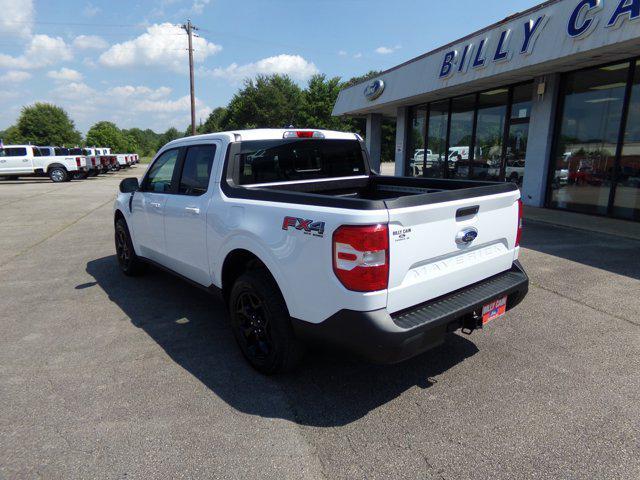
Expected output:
(447, 65)
(580, 21)
(463, 58)
(479, 60)
(501, 53)
(626, 8)
(532, 30)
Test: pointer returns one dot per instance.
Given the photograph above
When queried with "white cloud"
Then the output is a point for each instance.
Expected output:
(294, 66)
(85, 42)
(41, 51)
(342, 53)
(90, 10)
(198, 6)
(128, 91)
(15, 76)
(16, 18)
(387, 50)
(384, 50)
(65, 75)
(163, 45)
(358, 55)
(127, 106)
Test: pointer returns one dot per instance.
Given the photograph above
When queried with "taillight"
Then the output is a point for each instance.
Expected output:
(93, 161)
(77, 161)
(519, 234)
(361, 257)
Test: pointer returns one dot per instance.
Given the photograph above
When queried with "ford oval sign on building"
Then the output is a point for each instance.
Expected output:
(374, 90)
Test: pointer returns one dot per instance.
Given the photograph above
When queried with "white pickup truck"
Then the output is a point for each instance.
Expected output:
(28, 160)
(60, 153)
(305, 242)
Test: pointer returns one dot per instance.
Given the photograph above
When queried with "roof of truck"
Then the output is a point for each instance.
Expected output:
(266, 134)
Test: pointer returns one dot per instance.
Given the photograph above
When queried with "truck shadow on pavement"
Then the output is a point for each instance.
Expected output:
(614, 254)
(329, 389)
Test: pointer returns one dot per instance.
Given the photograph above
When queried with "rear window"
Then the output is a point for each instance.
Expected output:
(13, 152)
(271, 161)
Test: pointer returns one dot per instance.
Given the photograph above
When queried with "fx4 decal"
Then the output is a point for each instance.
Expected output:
(309, 227)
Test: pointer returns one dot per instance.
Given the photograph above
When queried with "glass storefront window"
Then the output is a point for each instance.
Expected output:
(522, 101)
(627, 199)
(417, 133)
(586, 146)
(460, 152)
(435, 154)
(492, 115)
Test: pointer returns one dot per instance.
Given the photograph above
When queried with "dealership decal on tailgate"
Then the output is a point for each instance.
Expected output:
(494, 310)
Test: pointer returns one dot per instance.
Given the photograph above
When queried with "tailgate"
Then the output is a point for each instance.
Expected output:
(439, 248)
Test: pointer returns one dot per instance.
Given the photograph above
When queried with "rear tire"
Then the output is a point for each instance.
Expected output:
(58, 175)
(129, 262)
(261, 324)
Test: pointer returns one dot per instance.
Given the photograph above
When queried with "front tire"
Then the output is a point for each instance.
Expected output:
(129, 262)
(58, 175)
(261, 324)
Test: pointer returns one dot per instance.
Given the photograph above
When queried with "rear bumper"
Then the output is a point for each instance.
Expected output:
(383, 338)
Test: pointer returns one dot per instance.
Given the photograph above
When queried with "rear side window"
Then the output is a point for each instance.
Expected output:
(271, 161)
(65, 151)
(39, 153)
(76, 151)
(197, 170)
(159, 178)
(13, 152)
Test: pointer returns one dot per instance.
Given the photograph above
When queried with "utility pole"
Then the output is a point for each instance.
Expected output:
(189, 28)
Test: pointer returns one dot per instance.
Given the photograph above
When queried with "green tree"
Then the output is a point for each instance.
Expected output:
(146, 141)
(268, 101)
(107, 134)
(47, 124)
(168, 136)
(11, 135)
(318, 100)
(215, 121)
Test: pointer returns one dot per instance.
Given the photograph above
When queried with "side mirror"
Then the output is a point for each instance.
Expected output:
(129, 185)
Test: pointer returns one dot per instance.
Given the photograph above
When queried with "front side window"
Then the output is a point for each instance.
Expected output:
(159, 178)
(196, 170)
(270, 161)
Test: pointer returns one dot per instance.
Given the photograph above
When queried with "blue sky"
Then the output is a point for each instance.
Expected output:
(125, 61)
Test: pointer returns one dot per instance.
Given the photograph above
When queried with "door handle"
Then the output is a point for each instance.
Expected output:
(194, 210)
(155, 204)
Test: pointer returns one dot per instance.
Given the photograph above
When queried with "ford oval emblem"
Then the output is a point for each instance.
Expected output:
(374, 90)
(466, 236)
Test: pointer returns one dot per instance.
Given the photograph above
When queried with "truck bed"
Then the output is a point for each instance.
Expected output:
(371, 193)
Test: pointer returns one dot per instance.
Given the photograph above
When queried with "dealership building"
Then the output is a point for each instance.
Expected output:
(548, 98)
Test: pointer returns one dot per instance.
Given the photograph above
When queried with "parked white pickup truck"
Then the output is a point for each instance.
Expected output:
(28, 160)
(306, 243)
(61, 153)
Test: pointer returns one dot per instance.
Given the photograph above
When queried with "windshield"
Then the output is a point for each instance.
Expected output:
(271, 161)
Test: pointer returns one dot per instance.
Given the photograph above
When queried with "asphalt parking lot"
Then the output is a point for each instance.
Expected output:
(102, 376)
